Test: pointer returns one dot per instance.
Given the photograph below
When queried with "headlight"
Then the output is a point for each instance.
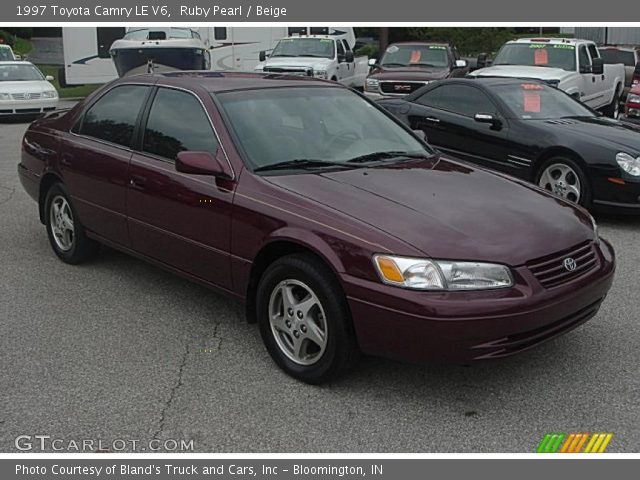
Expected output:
(50, 94)
(422, 274)
(5, 96)
(628, 163)
(320, 74)
(633, 99)
(372, 84)
(596, 236)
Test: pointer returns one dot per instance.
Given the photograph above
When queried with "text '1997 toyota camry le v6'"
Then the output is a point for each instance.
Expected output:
(341, 230)
(532, 131)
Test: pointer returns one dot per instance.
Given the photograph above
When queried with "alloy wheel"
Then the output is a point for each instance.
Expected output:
(61, 219)
(561, 180)
(298, 322)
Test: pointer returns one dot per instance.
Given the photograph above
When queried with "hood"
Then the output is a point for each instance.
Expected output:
(410, 73)
(126, 44)
(318, 63)
(448, 210)
(31, 86)
(522, 71)
(602, 130)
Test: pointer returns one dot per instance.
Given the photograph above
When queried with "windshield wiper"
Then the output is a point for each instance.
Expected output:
(301, 163)
(377, 156)
(392, 64)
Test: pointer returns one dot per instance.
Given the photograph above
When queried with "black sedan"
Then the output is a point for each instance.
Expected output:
(532, 131)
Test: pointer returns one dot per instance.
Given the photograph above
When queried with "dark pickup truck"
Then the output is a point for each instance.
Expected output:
(405, 67)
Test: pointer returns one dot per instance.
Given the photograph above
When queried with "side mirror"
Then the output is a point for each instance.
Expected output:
(202, 163)
(482, 60)
(488, 118)
(597, 66)
(262, 56)
(373, 62)
(49, 78)
(349, 57)
(461, 64)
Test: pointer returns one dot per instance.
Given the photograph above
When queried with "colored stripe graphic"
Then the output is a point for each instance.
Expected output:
(573, 442)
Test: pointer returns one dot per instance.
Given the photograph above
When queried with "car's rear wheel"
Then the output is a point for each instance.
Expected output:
(613, 109)
(66, 233)
(304, 320)
(564, 178)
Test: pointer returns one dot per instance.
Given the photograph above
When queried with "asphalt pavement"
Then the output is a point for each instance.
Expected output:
(120, 350)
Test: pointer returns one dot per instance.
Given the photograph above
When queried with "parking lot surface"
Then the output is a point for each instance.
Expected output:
(119, 349)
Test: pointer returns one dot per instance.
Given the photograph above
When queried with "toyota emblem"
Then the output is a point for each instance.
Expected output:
(570, 264)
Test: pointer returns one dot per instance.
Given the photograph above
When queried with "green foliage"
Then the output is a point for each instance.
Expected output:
(7, 38)
(24, 32)
(371, 51)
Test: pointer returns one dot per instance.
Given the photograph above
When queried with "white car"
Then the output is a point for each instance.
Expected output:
(24, 90)
(6, 54)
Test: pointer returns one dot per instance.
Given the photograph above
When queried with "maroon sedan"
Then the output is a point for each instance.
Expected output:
(341, 230)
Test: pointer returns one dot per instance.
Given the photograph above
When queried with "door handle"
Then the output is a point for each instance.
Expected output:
(431, 119)
(137, 181)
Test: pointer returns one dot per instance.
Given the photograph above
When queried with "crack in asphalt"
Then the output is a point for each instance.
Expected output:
(12, 191)
(179, 382)
(172, 393)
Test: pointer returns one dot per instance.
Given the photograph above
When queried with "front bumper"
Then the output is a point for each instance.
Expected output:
(463, 327)
(616, 198)
(27, 107)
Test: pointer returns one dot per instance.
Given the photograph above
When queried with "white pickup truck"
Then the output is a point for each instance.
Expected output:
(319, 56)
(572, 65)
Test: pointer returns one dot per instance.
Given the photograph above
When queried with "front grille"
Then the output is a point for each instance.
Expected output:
(551, 270)
(400, 88)
(519, 342)
(26, 96)
(308, 72)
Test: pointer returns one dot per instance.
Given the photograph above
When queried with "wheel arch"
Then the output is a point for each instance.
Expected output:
(47, 181)
(277, 248)
(557, 152)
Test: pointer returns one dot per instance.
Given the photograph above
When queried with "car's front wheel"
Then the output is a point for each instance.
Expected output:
(564, 177)
(304, 319)
(613, 109)
(66, 233)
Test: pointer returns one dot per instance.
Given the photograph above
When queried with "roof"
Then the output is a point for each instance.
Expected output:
(226, 81)
(15, 62)
(550, 40)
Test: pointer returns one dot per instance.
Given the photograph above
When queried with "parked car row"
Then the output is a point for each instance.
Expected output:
(340, 228)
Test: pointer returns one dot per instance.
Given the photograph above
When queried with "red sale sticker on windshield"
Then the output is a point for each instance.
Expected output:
(531, 101)
(541, 57)
(415, 56)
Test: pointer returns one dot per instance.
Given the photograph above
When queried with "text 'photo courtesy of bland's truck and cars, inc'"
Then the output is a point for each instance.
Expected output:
(153, 11)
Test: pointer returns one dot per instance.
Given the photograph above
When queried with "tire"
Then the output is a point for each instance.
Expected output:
(311, 285)
(62, 78)
(563, 169)
(66, 234)
(613, 109)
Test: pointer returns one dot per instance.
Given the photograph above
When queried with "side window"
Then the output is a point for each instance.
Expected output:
(463, 100)
(583, 58)
(431, 98)
(166, 137)
(113, 117)
(340, 49)
(456, 55)
(220, 33)
(593, 51)
(347, 48)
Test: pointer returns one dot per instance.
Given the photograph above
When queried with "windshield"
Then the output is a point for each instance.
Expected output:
(18, 73)
(144, 34)
(533, 101)
(335, 125)
(556, 55)
(6, 54)
(415, 55)
(613, 55)
(304, 47)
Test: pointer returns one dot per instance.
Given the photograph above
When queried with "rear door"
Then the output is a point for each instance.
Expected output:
(95, 160)
(446, 115)
(179, 219)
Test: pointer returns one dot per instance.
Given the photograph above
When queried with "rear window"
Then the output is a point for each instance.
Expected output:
(613, 55)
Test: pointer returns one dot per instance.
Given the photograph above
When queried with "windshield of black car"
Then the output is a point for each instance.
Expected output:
(415, 55)
(613, 55)
(304, 47)
(534, 101)
(19, 73)
(556, 55)
(329, 124)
